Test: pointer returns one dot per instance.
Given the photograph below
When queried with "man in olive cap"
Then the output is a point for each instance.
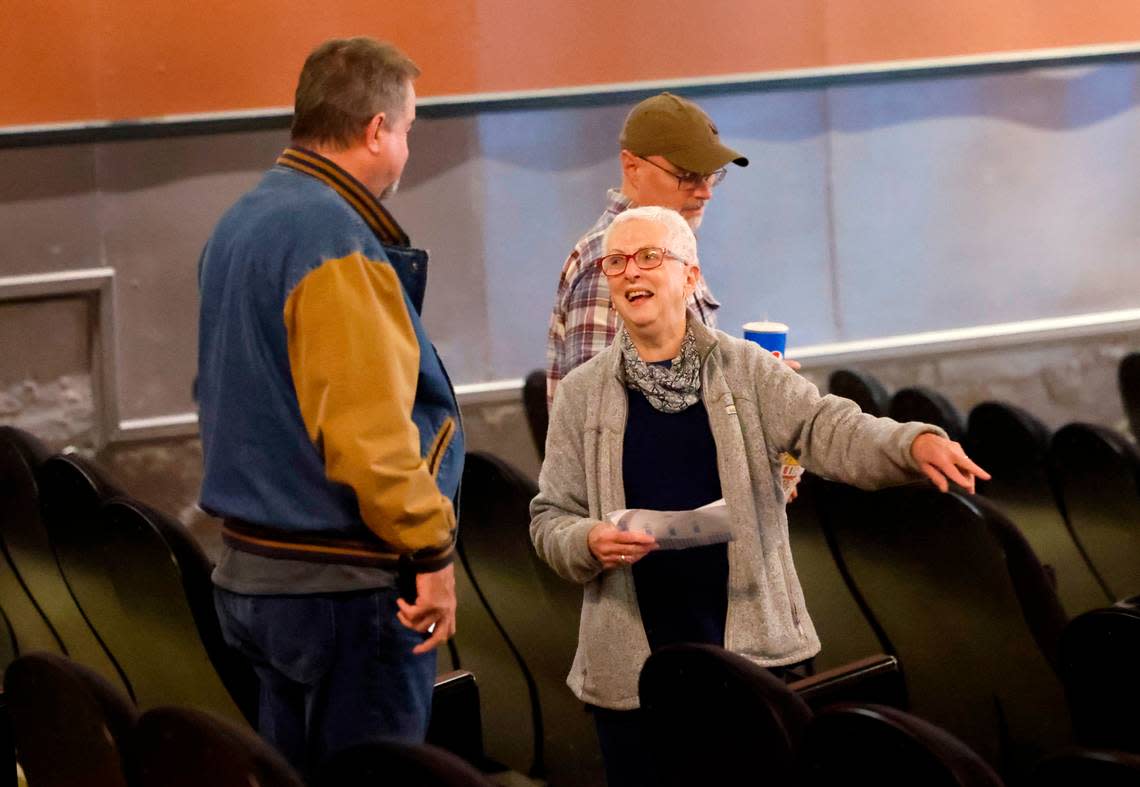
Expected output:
(672, 157)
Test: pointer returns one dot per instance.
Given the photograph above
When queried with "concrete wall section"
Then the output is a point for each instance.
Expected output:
(1057, 381)
(765, 243)
(973, 201)
(48, 210)
(440, 204)
(868, 210)
(45, 373)
(158, 202)
(546, 179)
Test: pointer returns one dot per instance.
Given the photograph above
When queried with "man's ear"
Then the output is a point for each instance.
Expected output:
(373, 131)
(629, 165)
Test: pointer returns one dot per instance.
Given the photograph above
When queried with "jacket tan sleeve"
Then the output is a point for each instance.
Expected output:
(355, 359)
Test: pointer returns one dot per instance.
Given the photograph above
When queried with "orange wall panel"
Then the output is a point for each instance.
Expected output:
(204, 56)
(47, 61)
(527, 46)
(869, 31)
(67, 60)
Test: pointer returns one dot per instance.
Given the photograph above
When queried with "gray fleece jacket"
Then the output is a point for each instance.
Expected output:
(758, 408)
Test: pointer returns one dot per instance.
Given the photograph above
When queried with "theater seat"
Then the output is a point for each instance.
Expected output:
(935, 579)
(146, 569)
(534, 402)
(844, 632)
(714, 717)
(1129, 379)
(390, 762)
(27, 565)
(71, 491)
(1097, 472)
(183, 747)
(1099, 655)
(887, 747)
(1032, 584)
(1006, 439)
(919, 403)
(1013, 446)
(1092, 767)
(71, 726)
(861, 388)
(522, 653)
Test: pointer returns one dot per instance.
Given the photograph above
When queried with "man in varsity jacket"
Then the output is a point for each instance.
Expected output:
(330, 432)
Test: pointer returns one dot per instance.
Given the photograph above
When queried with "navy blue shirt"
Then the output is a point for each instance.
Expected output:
(669, 464)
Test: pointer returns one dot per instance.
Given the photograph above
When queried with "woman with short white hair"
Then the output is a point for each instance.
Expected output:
(626, 432)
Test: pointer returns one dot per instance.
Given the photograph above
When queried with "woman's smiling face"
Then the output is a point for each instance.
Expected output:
(650, 302)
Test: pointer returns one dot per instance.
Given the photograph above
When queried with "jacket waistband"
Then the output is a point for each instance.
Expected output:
(322, 548)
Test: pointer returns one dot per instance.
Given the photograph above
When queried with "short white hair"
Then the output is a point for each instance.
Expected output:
(681, 240)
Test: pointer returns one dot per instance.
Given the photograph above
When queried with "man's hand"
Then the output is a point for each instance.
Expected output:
(434, 610)
(941, 459)
(616, 548)
(793, 365)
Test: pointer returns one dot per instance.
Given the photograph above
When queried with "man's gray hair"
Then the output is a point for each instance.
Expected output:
(344, 83)
(681, 240)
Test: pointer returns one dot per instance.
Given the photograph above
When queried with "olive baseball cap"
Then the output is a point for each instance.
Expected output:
(676, 128)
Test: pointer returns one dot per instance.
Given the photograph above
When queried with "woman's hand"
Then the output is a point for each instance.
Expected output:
(616, 548)
(941, 459)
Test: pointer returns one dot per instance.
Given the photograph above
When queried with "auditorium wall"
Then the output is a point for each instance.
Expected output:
(873, 209)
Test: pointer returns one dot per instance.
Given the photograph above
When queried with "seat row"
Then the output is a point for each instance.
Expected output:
(753, 729)
(873, 397)
(89, 573)
(1076, 493)
(123, 590)
(952, 587)
(73, 728)
(1083, 479)
(916, 403)
(946, 584)
(521, 636)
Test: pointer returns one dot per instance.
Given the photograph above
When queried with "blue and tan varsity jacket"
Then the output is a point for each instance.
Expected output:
(330, 431)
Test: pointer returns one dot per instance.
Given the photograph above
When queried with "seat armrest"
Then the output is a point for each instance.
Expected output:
(876, 679)
(446, 681)
(456, 719)
(7, 746)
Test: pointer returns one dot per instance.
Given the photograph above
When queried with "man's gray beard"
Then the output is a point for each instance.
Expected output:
(695, 222)
(388, 192)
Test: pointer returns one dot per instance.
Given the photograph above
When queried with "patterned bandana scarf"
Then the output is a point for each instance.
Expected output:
(669, 390)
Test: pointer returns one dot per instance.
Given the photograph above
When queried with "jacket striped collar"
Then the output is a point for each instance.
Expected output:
(348, 187)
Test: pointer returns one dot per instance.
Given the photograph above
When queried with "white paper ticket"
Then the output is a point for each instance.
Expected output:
(708, 524)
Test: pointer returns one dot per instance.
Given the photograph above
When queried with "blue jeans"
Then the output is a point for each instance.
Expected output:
(335, 669)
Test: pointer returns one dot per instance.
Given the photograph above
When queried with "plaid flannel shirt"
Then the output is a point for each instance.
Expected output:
(584, 322)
